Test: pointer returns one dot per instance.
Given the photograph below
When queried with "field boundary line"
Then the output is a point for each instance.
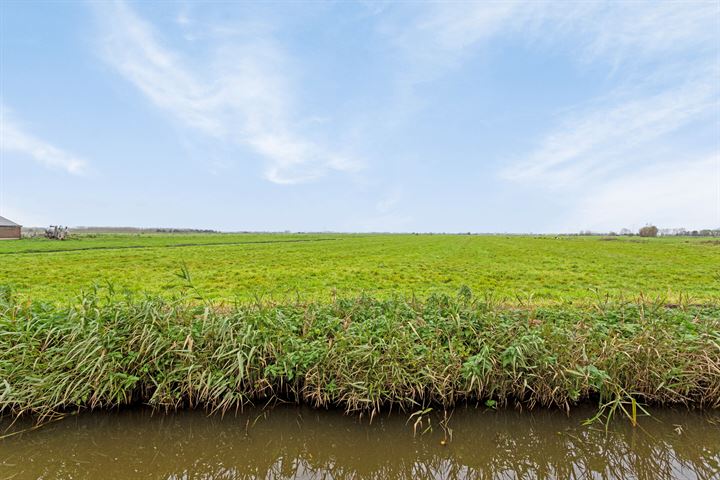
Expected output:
(176, 245)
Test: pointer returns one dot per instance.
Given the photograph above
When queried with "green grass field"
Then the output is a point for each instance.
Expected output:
(281, 266)
(338, 325)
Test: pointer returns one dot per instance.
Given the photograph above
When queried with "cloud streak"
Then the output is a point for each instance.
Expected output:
(678, 195)
(615, 134)
(238, 94)
(677, 43)
(663, 59)
(13, 138)
(619, 33)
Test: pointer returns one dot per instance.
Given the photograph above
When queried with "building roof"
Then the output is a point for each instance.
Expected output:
(4, 222)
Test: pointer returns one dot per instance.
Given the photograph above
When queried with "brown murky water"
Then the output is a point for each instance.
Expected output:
(291, 442)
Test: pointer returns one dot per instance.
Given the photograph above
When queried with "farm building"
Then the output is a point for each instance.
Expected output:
(8, 229)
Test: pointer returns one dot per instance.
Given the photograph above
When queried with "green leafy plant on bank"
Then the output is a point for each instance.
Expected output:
(362, 354)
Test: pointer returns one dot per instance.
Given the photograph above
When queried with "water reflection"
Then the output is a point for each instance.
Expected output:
(300, 443)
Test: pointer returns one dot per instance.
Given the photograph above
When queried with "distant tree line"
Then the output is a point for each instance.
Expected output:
(653, 231)
(681, 232)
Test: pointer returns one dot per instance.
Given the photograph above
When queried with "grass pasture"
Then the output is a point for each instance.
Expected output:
(282, 266)
(364, 322)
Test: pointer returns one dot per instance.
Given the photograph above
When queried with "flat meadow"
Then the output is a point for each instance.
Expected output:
(361, 322)
(539, 269)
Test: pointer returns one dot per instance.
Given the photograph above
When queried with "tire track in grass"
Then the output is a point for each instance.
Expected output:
(173, 245)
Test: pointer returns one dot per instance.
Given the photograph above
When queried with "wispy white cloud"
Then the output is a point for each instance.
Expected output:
(450, 28)
(663, 60)
(604, 146)
(442, 35)
(676, 46)
(628, 32)
(14, 138)
(683, 194)
(240, 93)
(618, 33)
(615, 133)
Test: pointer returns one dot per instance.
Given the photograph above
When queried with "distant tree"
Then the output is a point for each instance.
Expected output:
(625, 231)
(648, 231)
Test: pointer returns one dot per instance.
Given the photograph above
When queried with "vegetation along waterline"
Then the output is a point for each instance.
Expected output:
(362, 354)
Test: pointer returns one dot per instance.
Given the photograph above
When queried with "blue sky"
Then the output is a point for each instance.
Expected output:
(361, 116)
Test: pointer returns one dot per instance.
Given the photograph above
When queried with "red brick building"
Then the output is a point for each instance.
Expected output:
(8, 229)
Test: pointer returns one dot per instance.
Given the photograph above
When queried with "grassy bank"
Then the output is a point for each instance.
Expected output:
(361, 354)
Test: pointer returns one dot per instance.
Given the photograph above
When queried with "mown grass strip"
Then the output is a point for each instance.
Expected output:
(362, 354)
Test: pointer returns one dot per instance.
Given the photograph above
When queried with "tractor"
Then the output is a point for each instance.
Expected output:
(56, 232)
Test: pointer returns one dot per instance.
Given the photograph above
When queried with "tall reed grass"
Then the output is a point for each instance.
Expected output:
(361, 354)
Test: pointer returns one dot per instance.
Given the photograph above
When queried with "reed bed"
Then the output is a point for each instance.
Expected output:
(362, 354)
